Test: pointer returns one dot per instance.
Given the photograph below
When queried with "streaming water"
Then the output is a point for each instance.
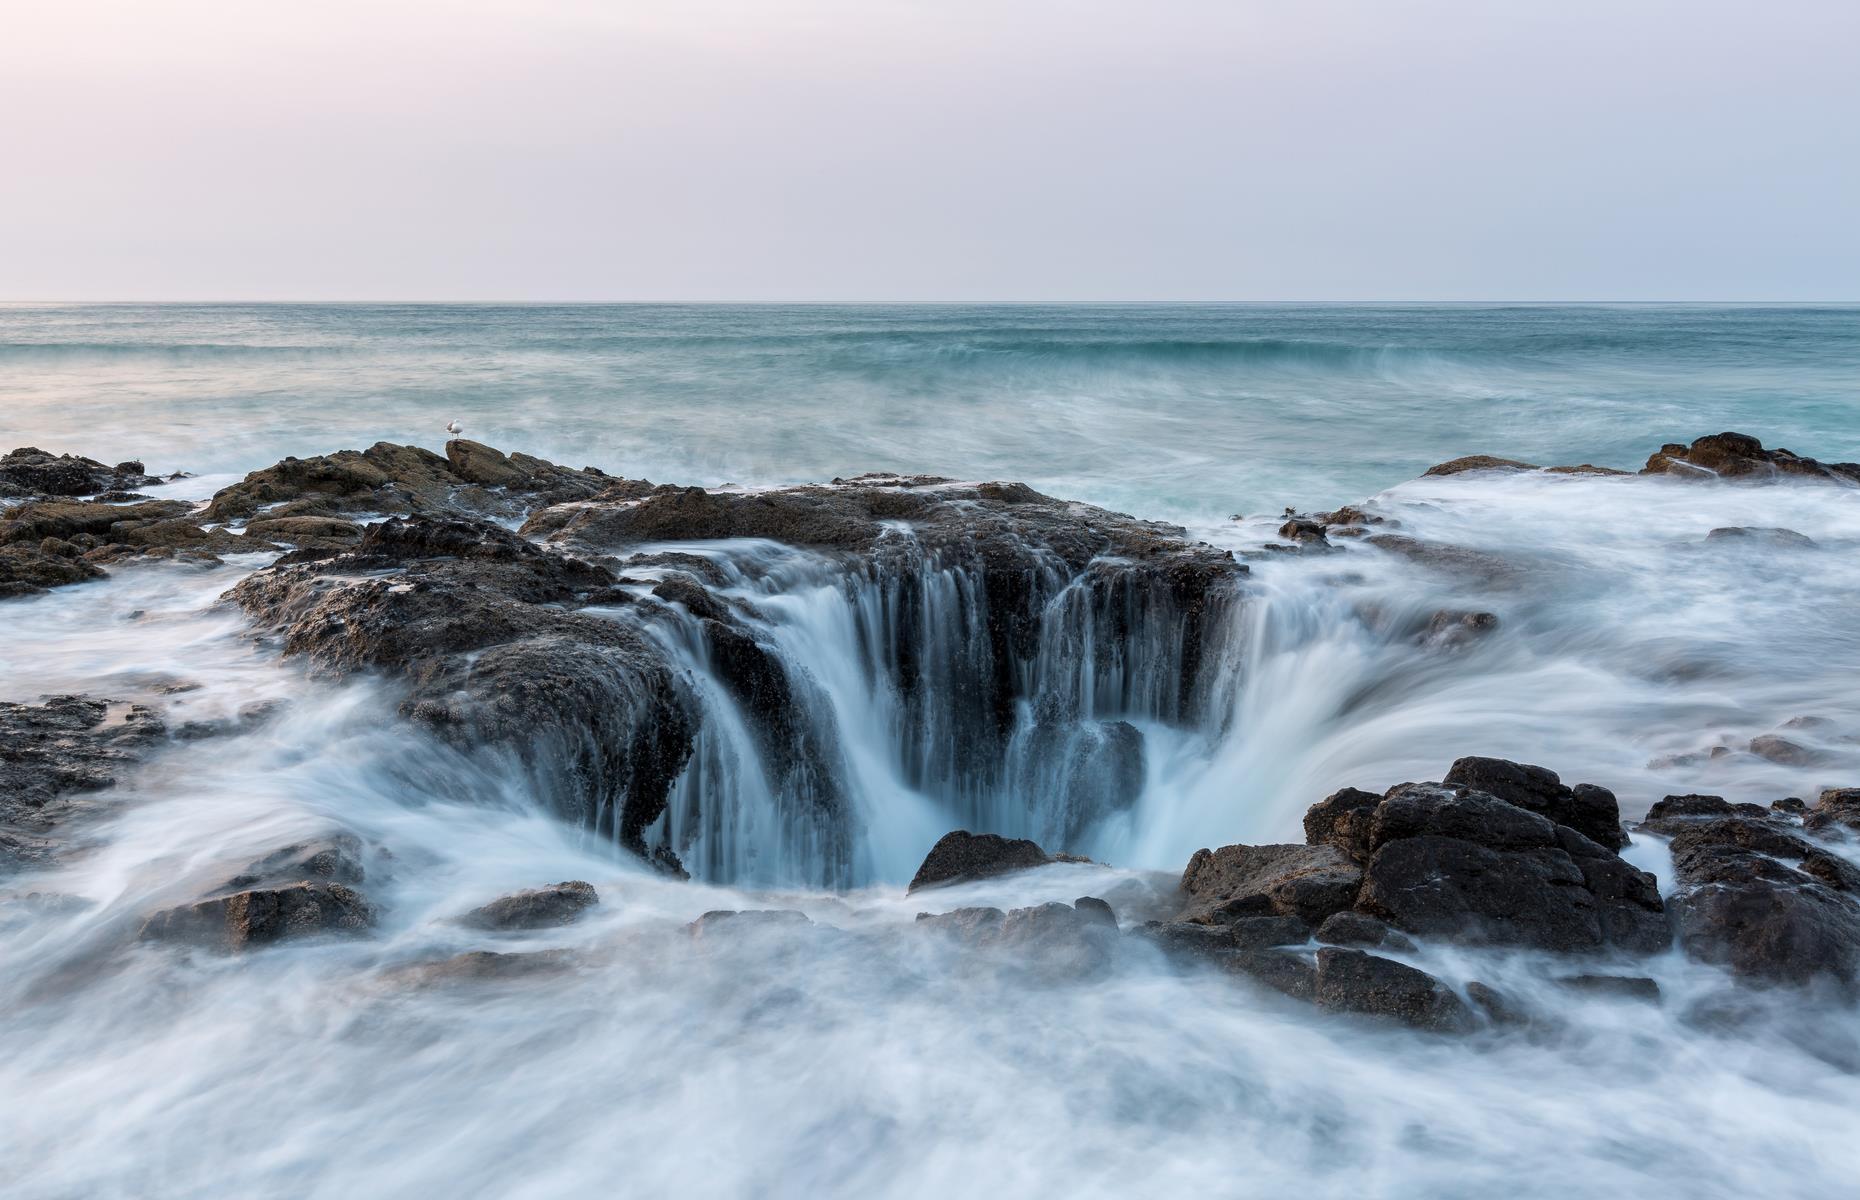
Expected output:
(862, 1058)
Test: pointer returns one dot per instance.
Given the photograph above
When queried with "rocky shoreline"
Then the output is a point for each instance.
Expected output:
(527, 608)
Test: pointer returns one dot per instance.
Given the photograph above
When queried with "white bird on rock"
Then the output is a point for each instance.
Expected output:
(454, 428)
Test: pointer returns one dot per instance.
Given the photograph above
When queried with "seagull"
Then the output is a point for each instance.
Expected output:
(454, 428)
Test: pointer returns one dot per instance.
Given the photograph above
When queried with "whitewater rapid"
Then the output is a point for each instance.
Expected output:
(868, 1061)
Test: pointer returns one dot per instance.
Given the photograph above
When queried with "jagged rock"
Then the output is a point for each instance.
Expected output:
(1837, 808)
(29, 471)
(1307, 882)
(1357, 929)
(961, 856)
(1478, 462)
(1742, 905)
(260, 917)
(1350, 517)
(1354, 982)
(1742, 457)
(1589, 810)
(479, 621)
(968, 924)
(1209, 941)
(536, 908)
(50, 543)
(1454, 863)
(1675, 813)
(1342, 820)
(54, 758)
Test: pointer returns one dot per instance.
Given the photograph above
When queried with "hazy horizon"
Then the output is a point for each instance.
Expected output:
(825, 151)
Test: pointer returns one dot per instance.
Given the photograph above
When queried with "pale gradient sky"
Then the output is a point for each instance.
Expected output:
(929, 149)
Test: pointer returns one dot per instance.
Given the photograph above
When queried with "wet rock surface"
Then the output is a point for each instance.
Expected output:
(55, 758)
(961, 856)
(536, 908)
(1738, 456)
(1351, 981)
(258, 917)
(1309, 883)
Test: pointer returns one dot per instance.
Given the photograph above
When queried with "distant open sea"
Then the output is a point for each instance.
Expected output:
(1189, 411)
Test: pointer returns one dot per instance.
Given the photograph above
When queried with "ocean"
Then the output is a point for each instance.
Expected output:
(1627, 647)
(1183, 412)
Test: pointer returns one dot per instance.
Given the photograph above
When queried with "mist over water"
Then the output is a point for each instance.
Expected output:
(862, 1058)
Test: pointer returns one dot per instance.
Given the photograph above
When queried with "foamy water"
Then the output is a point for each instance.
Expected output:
(861, 1058)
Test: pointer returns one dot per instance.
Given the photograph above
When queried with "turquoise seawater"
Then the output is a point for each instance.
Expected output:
(1184, 411)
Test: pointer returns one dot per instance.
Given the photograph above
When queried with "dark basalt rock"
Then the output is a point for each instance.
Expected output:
(961, 857)
(1189, 939)
(1351, 981)
(1589, 810)
(260, 917)
(55, 758)
(536, 908)
(29, 471)
(1446, 860)
(1766, 903)
(1677, 813)
(1283, 971)
(1358, 929)
(1306, 882)
(480, 623)
(1466, 866)
(1741, 457)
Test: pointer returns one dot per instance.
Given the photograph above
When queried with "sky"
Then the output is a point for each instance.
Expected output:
(600, 150)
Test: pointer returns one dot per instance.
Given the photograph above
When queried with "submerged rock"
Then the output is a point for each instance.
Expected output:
(1351, 981)
(961, 856)
(1478, 462)
(55, 758)
(536, 908)
(261, 916)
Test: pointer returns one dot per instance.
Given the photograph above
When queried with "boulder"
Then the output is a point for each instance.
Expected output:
(482, 966)
(961, 857)
(1738, 456)
(1765, 535)
(1782, 751)
(1590, 810)
(1358, 929)
(721, 922)
(1306, 882)
(29, 471)
(1454, 863)
(536, 908)
(1350, 981)
(1765, 903)
(1837, 809)
(259, 917)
